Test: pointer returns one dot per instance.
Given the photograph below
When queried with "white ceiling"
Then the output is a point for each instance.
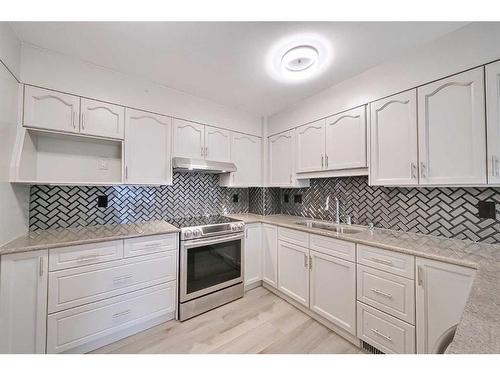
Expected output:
(225, 61)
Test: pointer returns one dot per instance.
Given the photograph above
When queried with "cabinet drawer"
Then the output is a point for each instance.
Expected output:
(386, 260)
(77, 286)
(151, 244)
(293, 236)
(390, 293)
(331, 246)
(82, 255)
(386, 333)
(74, 327)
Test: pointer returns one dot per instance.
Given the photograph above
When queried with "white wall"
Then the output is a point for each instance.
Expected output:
(14, 199)
(472, 45)
(60, 72)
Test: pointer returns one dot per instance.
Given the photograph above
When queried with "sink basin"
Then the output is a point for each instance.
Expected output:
(344, 229)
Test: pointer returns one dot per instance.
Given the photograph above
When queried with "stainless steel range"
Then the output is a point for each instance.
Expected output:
(211, 263)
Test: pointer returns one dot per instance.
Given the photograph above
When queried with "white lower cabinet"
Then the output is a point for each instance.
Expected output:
(70, 329)
(253, 254)
(270, 255)
(441, 294)
(23, 302)
(293, 271)
(333, 290)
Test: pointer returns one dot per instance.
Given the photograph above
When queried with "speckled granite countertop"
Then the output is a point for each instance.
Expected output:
(479, 328)
(77, 236)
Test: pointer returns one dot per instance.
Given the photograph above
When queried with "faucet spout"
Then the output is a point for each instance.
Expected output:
(327, 204)
(337, 211)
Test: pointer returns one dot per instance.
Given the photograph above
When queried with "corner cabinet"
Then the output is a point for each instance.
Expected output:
(493, 121)
(393, 140)
(451, 130)
(147, 149)
(281, 161)
(246, 153)
(23, 302)
(441, 294)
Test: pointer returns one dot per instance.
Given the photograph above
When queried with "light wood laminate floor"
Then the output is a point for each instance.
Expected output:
(260, 322)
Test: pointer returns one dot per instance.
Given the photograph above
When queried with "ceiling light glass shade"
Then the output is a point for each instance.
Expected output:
(298, 58)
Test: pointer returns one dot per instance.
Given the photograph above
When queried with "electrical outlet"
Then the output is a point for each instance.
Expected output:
(102, 165)
(486, 210)
(235, 198)
(286, 198)
(297, 198)
(102, 201)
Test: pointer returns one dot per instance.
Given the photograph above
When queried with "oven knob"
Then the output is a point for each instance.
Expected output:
(241, 226)
(188, 233)
(233, 227)
(197, 232)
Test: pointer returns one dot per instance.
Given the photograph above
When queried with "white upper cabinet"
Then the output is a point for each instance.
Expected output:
(23, 302)
(493, 121)
(47, 109)
(281, 159)
(189, 139)
(102, 119)
(147, 149)
(346, 140)
(451, 130)
(217, 144)
(246, 154)
(393, 140)
(441, 294)
(311, 147)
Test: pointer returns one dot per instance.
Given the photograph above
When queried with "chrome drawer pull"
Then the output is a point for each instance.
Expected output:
(388, 338)
(122, 279)
(382, 261)
(388, 295)
(154, 244)
(87, 258)
(122, 313)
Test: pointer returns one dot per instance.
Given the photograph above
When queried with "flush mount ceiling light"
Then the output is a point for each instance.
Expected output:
(298, 58)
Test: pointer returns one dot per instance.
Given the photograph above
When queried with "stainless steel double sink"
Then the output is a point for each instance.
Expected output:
(337, 228)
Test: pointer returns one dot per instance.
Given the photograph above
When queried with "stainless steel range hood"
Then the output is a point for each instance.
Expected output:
(202, 166)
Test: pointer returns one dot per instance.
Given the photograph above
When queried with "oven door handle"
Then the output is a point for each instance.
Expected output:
(211, 241)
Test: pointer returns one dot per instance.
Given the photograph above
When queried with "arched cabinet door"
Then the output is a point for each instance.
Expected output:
(189, 139)
(52, 110)
(247, 155)
(147, 149)
(217, 144)
(493, 121)
(393, 140)
(451, 130)
(311, 147)
(102, 119)
(281, 159)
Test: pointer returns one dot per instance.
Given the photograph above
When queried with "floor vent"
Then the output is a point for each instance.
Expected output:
(371, 349)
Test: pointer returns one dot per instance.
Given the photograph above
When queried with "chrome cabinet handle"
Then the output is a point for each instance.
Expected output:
(40, 266)
(422, 169)
(322, 161)
(126, 172)
(310, 262)
(290, 178)
(326, 160)
(90, 257)
(201, 151)
(377, 332)
(388, 295)
(83, 121)
(122, 313)
(420, 275)
(73, 119)
(305, 261)
(206, 151)
(382, 261)
(413, 170)
(122, 279)
(494, 166)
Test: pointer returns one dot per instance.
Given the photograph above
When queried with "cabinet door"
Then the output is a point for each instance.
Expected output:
(346, 140)
(253, 253)
(147, 149)
(189, 139)
(451, 130)
(293, 272)
(493, 121)
(393, 140)
(281, 159)
(311, 147)
(102, 119)
(270, 254)
(51, 110)
(246, 153)
(23, 302)
(217, 144)
(441, 293)
(333, 290)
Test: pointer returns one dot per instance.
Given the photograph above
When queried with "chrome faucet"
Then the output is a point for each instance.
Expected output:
(327, 204)
(337, 211)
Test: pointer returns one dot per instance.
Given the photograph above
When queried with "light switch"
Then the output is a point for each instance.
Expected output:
(103, 165)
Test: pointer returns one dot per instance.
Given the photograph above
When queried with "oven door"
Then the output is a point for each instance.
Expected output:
(210, 264)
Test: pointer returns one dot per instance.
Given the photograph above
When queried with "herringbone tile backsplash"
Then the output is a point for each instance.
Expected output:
(448, 212)
(75, 206)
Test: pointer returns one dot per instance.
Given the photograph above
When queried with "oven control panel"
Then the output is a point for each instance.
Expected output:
(211, 230)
